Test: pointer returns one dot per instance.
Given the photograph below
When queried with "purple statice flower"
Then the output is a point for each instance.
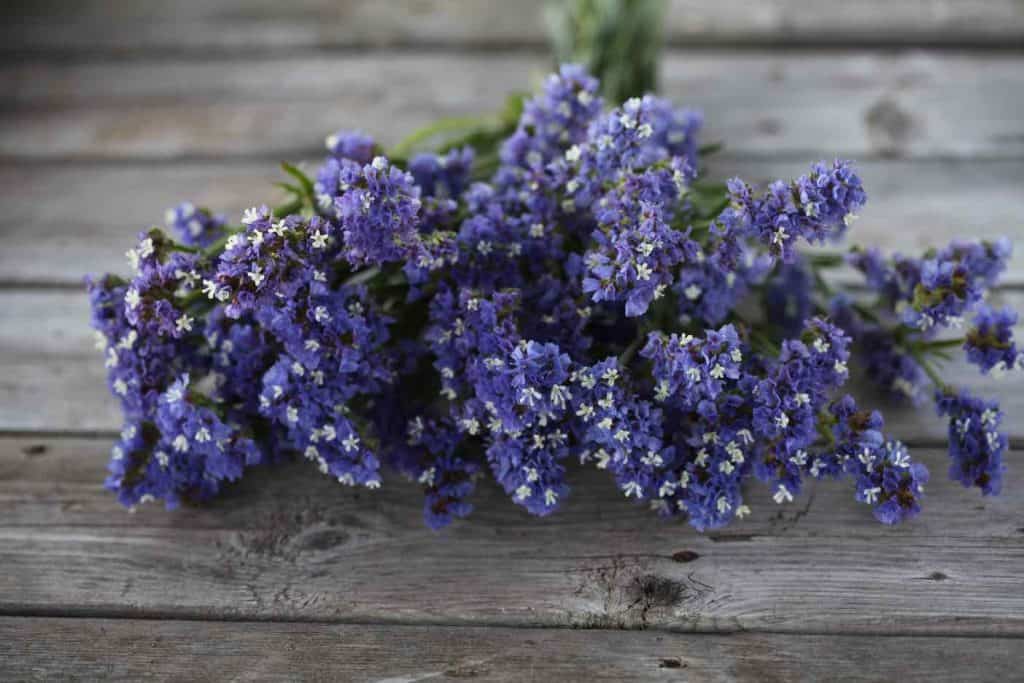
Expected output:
(939, 289)
(155, 298)
(675, 131)
(705, 386)
(272, 259)
(976, 445)
(317, 422)
(333, 353)
(186, 452)
(140, 366)
(351, 144)
(554, 120)
(884, 475)
(240, 353)
(466, 328)
(378, 213)
(619, 432)
(619, 144)
(195, 227)
(709, 286)
(443, 177)
(788, 297)
(815, 207)
(990, 343)
(428, 455)
(636, 249)
(525, 397)
(886, 363)
(689, 371)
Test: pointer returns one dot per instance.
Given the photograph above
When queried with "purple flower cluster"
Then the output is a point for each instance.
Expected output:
(579, 304)
(195, 227)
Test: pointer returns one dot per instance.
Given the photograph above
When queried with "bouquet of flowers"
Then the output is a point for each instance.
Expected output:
(576, 291)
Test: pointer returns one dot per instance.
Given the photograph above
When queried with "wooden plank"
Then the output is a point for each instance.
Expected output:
(288, 543)
(131, 650)
(851, 103)
(56, 226)
(236, 25)
(52, 378)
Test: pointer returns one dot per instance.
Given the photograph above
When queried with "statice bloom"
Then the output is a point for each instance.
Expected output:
(884, 475)
(379, 213)
(705, 387)
(466, 328)
(195, 227)
(554, 120)
(636, 249)
(787, 297)
(271, 259)
(620, 432)
(815, 207)
(155, 299)
(351, 144)
(990, 343)
(975, 443)
(886, 363)
(525, 398)
(186, 453)
(940, 289)
(443, 176)
(429, 456)
(139, 366)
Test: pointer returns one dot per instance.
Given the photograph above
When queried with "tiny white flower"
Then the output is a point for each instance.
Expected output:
(251, 215)
(632, 488)
(203, 435)
(782, 495)
(318, 239)
(180, 443)
(132, 298)
(871, 495)
(550, 497)
(350, 443)
(184, 323)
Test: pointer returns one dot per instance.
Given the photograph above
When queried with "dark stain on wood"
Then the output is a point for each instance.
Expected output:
(685, 556)
(671, 663)
(34, 450)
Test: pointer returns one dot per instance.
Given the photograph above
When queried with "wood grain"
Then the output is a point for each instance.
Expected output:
(122, 26)
(288, 543)
(784, 104)
(55, 229)
(131, 650)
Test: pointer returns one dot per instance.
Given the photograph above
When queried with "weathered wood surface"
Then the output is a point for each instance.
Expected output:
(150, 104)
(851, 103)
(131, 650)
(239, 25)
(288, 543)
(49, 236)
(53, 379)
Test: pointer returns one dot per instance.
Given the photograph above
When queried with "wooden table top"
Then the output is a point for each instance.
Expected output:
(115, 110)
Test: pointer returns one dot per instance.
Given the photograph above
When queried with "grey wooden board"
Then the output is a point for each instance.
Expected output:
(132, 650)
(52, 378)
(783, 104)
(288, 543)
(55, 226)
(240, 25)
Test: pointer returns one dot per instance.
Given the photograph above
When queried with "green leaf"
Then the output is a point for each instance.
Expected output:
(304, 182)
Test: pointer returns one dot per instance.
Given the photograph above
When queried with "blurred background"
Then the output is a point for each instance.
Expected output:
(115, 110)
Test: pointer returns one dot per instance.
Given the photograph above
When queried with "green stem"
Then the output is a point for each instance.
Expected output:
(932, 373)
(630, 351)
(450, 125)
